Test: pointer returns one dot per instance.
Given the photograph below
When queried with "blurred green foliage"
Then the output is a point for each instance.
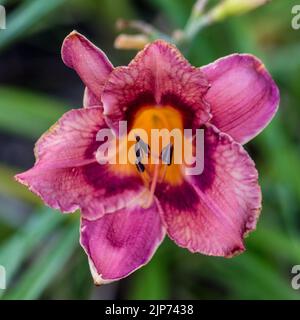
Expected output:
(41, 251)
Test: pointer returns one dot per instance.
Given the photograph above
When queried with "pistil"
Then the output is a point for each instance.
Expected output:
(154, 181)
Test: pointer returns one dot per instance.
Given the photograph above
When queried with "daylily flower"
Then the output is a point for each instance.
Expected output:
(232, 99)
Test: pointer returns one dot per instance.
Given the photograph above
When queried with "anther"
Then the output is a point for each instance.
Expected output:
(141, 148)
(167, 154)
(140, 166)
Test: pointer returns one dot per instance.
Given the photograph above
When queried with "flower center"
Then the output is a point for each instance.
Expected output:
(158, 132)
(151, 148)
(157, 117)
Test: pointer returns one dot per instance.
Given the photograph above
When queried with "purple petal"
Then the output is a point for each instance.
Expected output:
(158, 75)
(89, 99)
(212, 212)
(121, 242)
(90, 63)
(243, 96)
(66, 174)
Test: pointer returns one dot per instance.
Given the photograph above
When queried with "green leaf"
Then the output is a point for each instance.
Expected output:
(251, 277)
(26, 113)
(287, 247)
(26, 16)
(10, 187)
(283, 157)
(3, 2)
(152, 281)
(177, 10)
(44, 269)
(14, 251)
